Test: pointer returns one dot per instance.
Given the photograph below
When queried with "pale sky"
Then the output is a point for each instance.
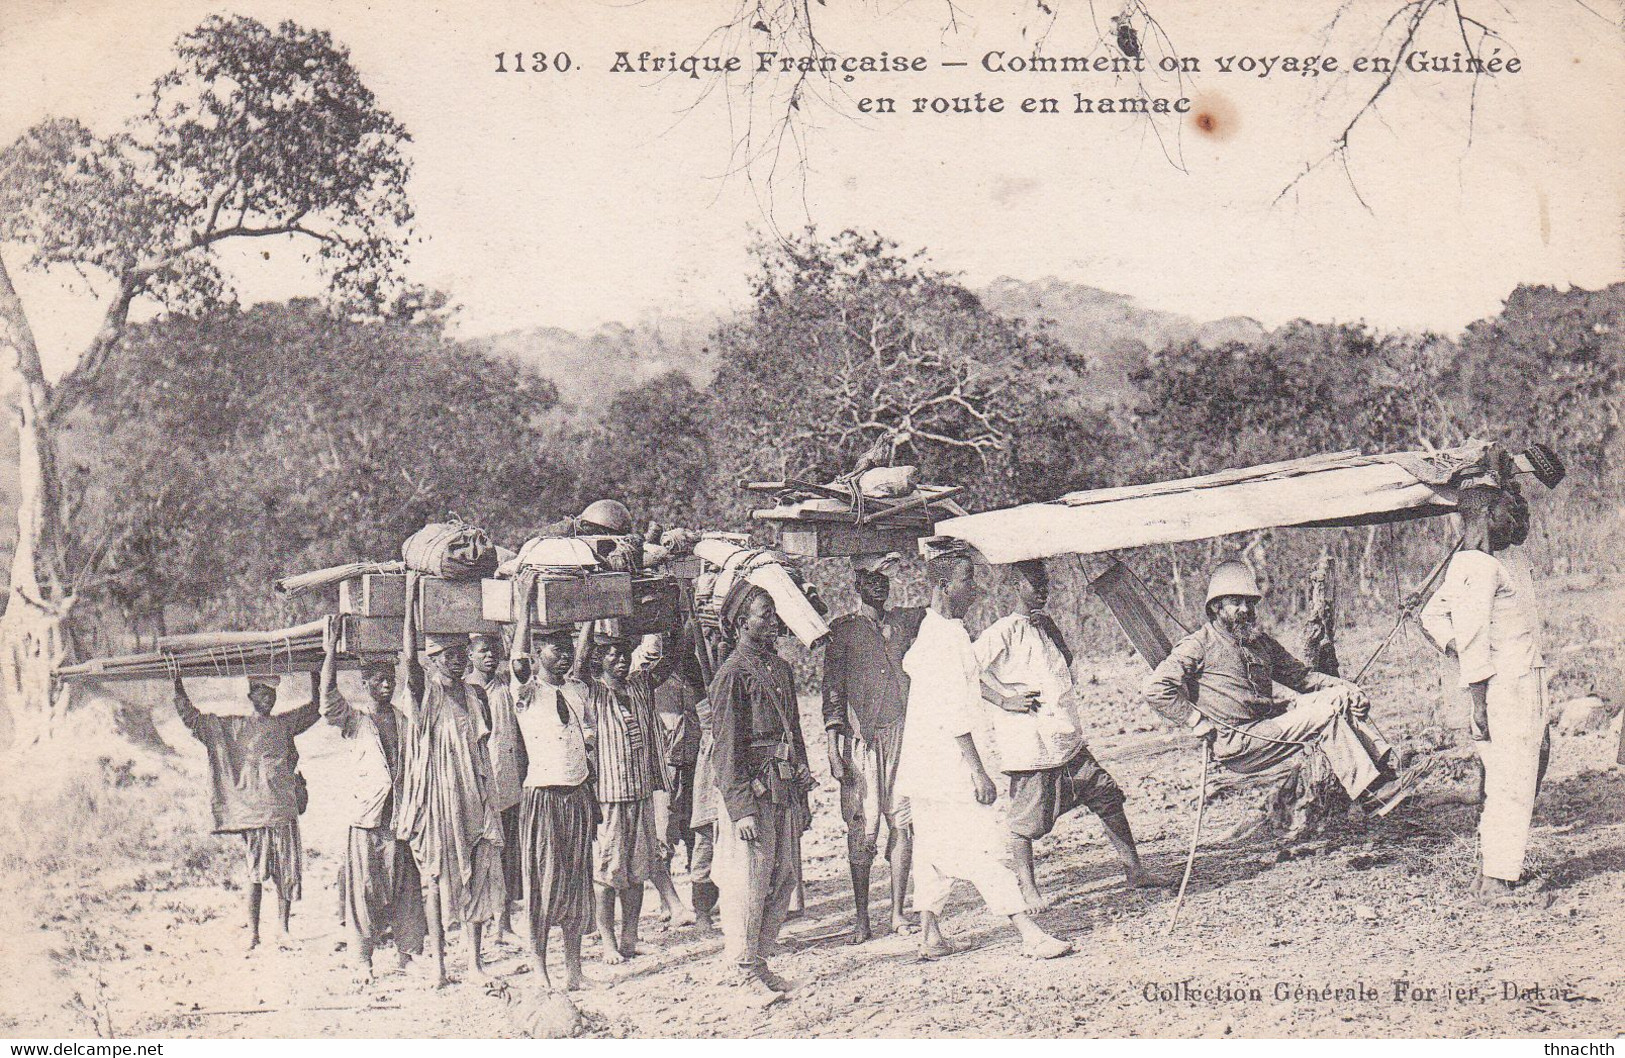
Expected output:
(578, 199)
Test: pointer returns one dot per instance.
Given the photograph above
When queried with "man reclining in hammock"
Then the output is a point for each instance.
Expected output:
(1219, 682)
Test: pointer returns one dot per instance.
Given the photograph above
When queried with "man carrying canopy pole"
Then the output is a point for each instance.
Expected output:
(256, 789)
(1027, 676)
(1485, 611)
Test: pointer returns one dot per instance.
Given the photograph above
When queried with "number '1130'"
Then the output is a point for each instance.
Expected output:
(536, 62)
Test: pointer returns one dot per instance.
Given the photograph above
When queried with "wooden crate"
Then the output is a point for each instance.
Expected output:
(686, 568)
(572, 599)
(842, 541)
(374, 595)
(370, 635)
(446, 607)
(655, 605)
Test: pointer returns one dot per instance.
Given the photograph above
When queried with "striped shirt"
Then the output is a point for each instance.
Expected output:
(629, 766)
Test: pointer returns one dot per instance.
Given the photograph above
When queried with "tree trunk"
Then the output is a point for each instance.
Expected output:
(32, 640)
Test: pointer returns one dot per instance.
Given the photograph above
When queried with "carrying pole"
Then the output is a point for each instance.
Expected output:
(1196, 838)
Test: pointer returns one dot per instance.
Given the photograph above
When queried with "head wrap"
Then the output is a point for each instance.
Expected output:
(887, 563)
(438, 643)
(935, 547)
(265, 681)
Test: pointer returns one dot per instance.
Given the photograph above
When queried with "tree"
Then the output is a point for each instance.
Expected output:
(255, 133)
(853, 346)
(293, 441)
(653, 450)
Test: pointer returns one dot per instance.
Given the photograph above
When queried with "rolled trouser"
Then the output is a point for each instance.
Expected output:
(757, 879)
(1511, 756)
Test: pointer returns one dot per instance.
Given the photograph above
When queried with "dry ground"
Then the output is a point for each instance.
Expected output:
(117, 915)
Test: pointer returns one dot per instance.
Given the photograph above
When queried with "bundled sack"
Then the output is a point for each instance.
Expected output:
(454, 550)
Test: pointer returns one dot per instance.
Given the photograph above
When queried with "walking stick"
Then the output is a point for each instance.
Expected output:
(1196, 837)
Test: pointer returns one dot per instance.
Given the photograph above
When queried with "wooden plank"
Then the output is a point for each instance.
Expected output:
(374, 595)
(446, 607)
(845, 540)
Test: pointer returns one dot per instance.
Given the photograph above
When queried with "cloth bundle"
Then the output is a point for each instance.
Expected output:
(454, 550)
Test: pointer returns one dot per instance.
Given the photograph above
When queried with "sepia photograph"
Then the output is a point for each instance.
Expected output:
(803, 519)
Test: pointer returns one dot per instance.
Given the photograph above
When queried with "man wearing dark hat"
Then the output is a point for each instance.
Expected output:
(1219, 682)
(383, 893)
(256, 788)
(865, 701)
(761, 776)
(447, 809)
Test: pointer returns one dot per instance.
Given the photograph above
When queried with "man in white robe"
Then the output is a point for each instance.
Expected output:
(958, 833)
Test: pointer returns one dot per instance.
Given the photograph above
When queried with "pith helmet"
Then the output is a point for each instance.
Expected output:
(1232, 578)
(611, 516)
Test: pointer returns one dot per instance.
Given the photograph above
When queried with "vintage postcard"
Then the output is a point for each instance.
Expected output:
(812, 518)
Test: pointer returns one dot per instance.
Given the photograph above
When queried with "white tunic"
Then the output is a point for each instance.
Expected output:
(944, 702)
(1014, 651)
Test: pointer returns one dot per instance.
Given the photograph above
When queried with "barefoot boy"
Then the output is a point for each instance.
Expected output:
(559, 812)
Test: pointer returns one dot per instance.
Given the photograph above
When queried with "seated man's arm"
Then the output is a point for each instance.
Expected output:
(1166, 690)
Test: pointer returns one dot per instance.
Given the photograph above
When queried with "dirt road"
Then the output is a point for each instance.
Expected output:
(1313, 939)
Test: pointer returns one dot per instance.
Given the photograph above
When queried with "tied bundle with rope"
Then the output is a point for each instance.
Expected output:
(454, 550)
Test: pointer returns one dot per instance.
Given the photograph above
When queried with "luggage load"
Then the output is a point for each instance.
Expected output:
(769, 571)
(453, 550)
(870, 512)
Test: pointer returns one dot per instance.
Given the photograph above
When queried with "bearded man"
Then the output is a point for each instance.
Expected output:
(1219, 681)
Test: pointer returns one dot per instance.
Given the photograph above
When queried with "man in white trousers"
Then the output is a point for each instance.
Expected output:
(1485, 612)
(958, 833)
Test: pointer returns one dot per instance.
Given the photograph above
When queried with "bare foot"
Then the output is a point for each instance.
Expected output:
(403, 960)
(901, 925)
(445, 980)
(682, 916)
(612, 956)
(630, 949)
(861, 932)
(1046, 947)
(1036, 901)
(361, 977)
(940, 948)
(1144, 878)
(576, 982)
(703, 922)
